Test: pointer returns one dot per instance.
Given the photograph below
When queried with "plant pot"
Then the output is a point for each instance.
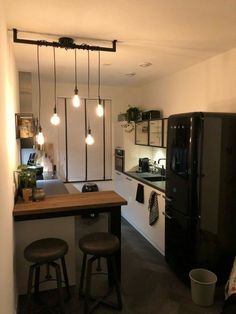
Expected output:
(133, 114)
(26, 194)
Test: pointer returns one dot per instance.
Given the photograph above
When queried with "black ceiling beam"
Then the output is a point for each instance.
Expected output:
(64, 42)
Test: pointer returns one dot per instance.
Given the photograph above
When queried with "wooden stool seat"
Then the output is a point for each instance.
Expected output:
(45, 250)
(99, 244)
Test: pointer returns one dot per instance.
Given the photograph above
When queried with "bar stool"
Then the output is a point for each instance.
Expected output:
(45, 252)
(99, 244)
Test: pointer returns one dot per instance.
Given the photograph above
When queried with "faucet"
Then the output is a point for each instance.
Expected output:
(163, 170)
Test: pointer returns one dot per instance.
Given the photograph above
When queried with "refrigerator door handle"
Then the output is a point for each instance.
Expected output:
(168, 199)
(166, 215)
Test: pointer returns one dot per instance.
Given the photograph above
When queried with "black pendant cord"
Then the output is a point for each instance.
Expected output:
(99, 76)
(76, 86)
(86, 134)
(55, 81)
(66, 138)
(39, 87)
(88, 74)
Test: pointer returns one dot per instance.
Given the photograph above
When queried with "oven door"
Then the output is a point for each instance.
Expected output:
(119, 160)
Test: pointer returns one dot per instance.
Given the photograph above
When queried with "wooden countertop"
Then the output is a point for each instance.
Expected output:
(68, 205)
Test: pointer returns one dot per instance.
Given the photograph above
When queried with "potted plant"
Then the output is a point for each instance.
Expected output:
(26, 181)
(133, 114)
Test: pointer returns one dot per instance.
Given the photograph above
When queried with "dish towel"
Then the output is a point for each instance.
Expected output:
(153, 208)
(140, 193)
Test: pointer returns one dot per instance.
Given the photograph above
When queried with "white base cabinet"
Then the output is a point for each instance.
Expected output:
(137, 214)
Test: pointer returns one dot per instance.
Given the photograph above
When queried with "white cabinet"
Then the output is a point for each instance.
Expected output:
(137, 214)
(118, 179)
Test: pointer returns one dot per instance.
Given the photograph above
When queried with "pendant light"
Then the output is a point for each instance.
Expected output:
(99, 108)
(39, 136)
(55, 119)
(89, 138)
(76, 99)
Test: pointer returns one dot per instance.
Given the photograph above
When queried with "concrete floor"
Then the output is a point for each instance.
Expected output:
(148, 285)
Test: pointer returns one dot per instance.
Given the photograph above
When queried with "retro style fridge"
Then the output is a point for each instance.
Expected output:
(200, 211)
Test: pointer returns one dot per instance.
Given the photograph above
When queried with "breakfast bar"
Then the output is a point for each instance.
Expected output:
(69, 206)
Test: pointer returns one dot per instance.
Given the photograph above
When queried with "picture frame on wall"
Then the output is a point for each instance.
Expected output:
(25, 125)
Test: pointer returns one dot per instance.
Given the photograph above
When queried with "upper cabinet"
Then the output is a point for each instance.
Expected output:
(151, 132)
(155, 132)
(141, 133)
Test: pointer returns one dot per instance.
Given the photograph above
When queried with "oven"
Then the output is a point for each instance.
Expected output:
(119, 159)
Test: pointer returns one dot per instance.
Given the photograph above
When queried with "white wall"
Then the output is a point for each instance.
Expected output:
(9, 160)
(207, 86)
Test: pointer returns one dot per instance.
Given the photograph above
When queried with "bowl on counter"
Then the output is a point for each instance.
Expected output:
(38, 194)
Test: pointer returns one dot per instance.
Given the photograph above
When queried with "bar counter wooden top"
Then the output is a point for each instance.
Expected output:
(68, 205)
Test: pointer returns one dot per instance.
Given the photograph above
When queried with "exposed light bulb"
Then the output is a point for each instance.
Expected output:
(76, 99)
(40, 137)
(89, 139)
(99, 109)
(55, 119)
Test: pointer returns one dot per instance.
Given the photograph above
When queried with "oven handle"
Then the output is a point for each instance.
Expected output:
(167, 216)
(168, 199)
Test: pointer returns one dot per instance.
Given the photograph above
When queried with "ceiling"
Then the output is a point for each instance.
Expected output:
(170, 34)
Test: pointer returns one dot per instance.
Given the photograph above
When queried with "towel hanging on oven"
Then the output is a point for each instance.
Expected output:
(153, 208)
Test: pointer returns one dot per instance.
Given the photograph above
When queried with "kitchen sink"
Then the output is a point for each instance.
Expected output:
(153, 179)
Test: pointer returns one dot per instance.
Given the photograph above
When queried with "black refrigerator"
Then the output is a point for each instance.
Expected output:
(200, 210)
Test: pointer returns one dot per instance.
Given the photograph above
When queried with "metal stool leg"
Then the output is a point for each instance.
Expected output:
(29, 288)
(110, 273)
(81, 283)
(59, 288)
(88, 284)
(116, 282)
(36, 283)
(48, 275)
(65, 277)
(99, 268)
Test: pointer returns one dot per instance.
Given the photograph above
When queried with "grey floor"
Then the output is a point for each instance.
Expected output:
(148, 285)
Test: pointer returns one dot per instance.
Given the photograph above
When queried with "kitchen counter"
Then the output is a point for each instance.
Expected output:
(52, 187)
(159, 185)
(62, 205)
